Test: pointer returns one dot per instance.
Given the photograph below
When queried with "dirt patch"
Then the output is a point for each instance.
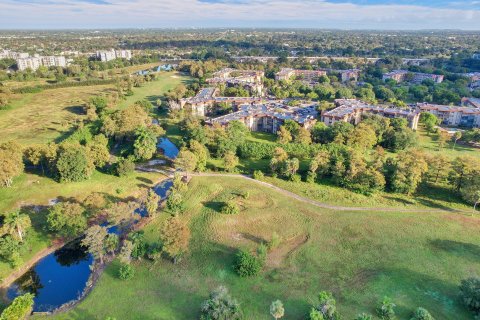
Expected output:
(285, 249)
(469, 221)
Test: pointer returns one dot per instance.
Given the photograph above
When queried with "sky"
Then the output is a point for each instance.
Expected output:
(330, 14)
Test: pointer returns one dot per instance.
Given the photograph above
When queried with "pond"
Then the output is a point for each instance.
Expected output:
(170, 150)
(56, 279)
(61, 276)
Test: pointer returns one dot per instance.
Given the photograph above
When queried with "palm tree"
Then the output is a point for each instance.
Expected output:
(16, 224)
(456, 137)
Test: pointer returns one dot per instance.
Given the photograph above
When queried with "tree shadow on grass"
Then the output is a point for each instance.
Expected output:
(400, 200)
(78, 110)
(145, 180)
(461, 249)
(214, 205)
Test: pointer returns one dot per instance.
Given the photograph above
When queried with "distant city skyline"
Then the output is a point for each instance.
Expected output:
(334, 14)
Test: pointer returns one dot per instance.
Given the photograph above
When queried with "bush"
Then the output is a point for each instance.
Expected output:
(126, 272)
(230, 207)
(258, 175)
(274, 241)
(221, 306)
(296, 178)
(385, 310)
(19, 309)
(246, 264)
(470, 293)
(124, 167)
(422, 314)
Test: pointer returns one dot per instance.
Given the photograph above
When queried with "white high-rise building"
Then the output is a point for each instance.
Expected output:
(35, 62)
(54, 61)
(107, 55)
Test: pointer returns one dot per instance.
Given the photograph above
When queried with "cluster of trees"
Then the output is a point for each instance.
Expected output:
(221, 305)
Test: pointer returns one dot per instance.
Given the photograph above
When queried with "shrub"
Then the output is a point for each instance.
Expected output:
(262, 252)
(126, 272)
(470, 293)
(274, 241)
(230, 207)
(385, 310)
(258, 175)
(296, 178)
(422, 314)
(246, 264)
(19, 309)
(364, 316)
(221, 306)
(315, 315)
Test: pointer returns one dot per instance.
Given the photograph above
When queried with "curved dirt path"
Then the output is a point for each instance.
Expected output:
(318, 203)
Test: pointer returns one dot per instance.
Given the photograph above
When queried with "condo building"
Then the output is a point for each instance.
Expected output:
(268, 117)
(415, 77)
(454, 116)
(108, 55)
(352, 110)
(249, 79)
(35, 62)
(308, 76)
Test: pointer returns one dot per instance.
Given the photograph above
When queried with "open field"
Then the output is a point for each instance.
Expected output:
(46, 116)
(429, 144)
(153, 90)
(49, 115)
(417, 259)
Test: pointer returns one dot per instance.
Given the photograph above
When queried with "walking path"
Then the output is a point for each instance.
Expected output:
(318, 203)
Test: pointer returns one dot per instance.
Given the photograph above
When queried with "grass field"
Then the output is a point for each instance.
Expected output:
(429, 143)
(49, 115)
(416, 259)
(45, 116)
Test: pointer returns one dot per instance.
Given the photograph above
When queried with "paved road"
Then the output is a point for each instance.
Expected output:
(322, 204)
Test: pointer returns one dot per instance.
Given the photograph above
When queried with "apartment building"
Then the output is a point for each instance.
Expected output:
(471, 102)
(307, 76)
(108, 55)
(54, 61)
(206, 99)
(249, 79)
(454, 116)
(415, 77)
(349, 75)
(35, 62)
(8, 54)
(352, 110)
(268, 117)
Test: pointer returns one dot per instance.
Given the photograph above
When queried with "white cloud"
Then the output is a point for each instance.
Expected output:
(250, 13)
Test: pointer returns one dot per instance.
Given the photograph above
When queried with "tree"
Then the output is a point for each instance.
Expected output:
(430, 121)
(124, 167)
(470, 294)
(19, 309)
(16, 224)
(221, 306)
(230, 161)
(422, 314)
(111, 243)
(456, 136)
(11, 163)
(175, 237)
(246, 264)
(284, 136)
(186, 161)
(201, 152)
(303, 136)
(145, 144)
(125, 255)
(276, 309)
(151, 202)
(230, 207)
(386, 309)
(315, 315)
(97, 150)
(95, 241)
(126, 272)
(363, 316)
(327, 306)
(67, 218)
(462, 168)
(438, 167)
(291, 167)
(278, 159)
(9, 250)
(175, 202)
(363, 137)
(73, 164)
(409, 168)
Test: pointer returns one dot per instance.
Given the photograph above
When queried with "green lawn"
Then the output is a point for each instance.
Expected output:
(154, 90)
(430, 144)
(416, 259)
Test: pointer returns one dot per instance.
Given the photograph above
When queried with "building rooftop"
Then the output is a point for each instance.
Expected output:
(349, 106)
